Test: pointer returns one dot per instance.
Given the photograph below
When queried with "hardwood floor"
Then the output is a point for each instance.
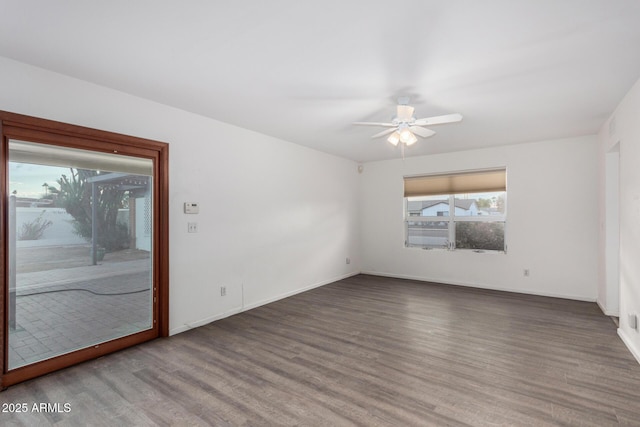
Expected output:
(362, 351)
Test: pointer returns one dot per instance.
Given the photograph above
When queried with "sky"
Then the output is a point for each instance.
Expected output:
(27, 178)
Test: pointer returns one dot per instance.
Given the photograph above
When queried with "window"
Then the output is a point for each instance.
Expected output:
(456, 211)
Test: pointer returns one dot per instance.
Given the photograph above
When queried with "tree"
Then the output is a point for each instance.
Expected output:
(50, 192)
(33, 230)
(75, 197)
(484, 203)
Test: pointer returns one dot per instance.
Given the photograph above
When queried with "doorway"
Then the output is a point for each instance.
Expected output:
(612, 232)
(84, 244)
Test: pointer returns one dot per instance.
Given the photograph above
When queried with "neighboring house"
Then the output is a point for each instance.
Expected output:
(464, 207)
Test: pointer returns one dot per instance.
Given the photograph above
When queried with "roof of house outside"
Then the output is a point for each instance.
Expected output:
(419, 205)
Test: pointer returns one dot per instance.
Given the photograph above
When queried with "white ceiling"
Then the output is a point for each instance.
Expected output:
(517, 70)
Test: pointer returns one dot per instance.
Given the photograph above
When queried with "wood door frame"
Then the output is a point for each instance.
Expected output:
(33, 129)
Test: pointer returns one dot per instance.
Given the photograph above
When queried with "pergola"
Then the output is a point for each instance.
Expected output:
(117, 181)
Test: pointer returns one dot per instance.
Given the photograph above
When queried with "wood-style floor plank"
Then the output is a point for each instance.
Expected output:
(367, 351)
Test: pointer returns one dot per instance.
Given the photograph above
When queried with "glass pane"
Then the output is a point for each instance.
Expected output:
(480, 235)
(428, 206)
(428, 234)
(481, 204)
(80, 240)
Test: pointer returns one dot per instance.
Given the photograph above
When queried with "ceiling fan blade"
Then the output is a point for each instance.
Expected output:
(425, 133)
(404, 113)
(383, 133)
(439, 120)
(374, 124)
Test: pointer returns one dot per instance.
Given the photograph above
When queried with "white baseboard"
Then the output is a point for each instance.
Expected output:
(240, 309)
(479, 285)
(625, 338)
(297, 291)
(605, 311)
(635, 351)
(204, 321)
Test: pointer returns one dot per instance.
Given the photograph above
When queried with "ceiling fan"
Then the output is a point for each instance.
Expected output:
(404, 126)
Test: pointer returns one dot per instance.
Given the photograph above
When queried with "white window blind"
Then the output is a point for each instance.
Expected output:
(44, 154)
(456, 183)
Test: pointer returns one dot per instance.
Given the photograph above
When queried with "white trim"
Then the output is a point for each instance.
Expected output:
(479, 286)
(605, 311)
(458, 218)
(203, 322)
(240, 309)
(298, 291)
(602, 309)
(475, 251)
(627, 341)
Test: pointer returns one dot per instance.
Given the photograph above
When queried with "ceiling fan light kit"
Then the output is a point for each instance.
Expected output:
(394, 138)
(407, 137)
(404, 127)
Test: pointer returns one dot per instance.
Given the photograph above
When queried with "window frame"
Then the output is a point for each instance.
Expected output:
(452, 218)
(19, 127)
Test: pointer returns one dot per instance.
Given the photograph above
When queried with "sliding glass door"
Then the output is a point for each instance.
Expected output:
(81, 268)
(83, 254)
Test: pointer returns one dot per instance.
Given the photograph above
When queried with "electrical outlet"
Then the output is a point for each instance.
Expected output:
(526, 272)
(223, 291)
(192, 227)
(348, 260)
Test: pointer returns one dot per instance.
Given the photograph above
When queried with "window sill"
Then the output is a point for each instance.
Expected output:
(476, 251)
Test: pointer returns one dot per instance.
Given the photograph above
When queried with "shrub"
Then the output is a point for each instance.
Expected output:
(75, 196)
(480, 235)
(117, 238)
(34, 230)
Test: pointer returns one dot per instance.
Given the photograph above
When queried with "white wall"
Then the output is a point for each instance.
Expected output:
(552, 220)
(275, 218)
(625, 131)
